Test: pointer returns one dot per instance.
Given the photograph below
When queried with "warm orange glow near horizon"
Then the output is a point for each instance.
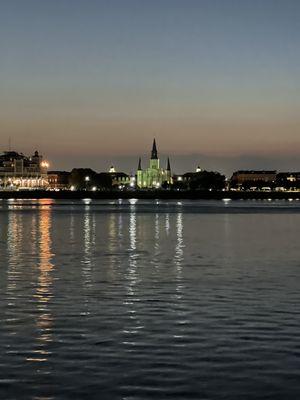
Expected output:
(210, 80)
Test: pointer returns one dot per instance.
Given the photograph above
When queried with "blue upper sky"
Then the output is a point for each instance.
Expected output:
(101, 78)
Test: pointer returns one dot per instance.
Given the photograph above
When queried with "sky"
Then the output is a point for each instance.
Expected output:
(91, 82)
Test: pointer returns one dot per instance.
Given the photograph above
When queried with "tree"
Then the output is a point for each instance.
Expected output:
(205, 180)
(82, 178)
(104, 180)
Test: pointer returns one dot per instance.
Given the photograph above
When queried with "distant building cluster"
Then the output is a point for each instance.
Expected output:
(265, 180)
(20, 172)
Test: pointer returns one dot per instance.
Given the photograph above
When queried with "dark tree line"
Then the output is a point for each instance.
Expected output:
(206, 180)
(203, 180)
(86, 179)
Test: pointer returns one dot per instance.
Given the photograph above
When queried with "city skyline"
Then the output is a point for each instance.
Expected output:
(217, 83)
(180, 163)
(172, 163)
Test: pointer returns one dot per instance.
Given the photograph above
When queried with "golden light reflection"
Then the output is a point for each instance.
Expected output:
(14, 249)
(33, 234)
(44, 290)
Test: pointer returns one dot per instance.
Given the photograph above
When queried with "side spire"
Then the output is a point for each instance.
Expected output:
(140, 164)
(154, 151)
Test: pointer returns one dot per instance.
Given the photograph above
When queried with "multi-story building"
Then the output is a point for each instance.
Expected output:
(59, 180)
(288, 181)
(154, 176)
(118, 179)
(252, 178)
(18, 171)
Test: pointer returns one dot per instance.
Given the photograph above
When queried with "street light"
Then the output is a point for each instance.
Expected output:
(87, 180)
(45, 164)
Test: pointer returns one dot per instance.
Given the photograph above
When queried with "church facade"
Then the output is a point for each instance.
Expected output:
(153, 177)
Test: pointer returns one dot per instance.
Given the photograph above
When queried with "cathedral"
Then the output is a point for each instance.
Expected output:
(154, 176)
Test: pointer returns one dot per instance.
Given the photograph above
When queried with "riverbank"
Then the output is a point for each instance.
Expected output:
(148, 194)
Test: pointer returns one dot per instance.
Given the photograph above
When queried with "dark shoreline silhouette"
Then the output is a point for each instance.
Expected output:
(149, 194)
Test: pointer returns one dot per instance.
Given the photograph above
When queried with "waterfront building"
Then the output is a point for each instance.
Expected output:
(153, 176)
(118, 179)
(18, 171)
(59, 180)
(183, 180)
(200, 180)
(253, 179)
(288, 181)
(189, 176)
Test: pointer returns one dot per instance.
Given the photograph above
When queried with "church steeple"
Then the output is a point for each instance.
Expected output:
(168, 165)
(140, 164)
(154, 151)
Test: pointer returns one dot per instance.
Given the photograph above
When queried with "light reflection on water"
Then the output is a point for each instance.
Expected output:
(131, 277)
(87, 244)
(140, 303)
(178, 255)
(14, 234)
(44, 318)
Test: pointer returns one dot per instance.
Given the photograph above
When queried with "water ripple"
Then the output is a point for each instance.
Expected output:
(144, 301)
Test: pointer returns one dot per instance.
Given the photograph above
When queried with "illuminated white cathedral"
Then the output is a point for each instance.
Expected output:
(154, 176)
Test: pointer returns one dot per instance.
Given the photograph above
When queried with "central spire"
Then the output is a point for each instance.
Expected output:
(168, 165)
(154, 151)
(140, 164)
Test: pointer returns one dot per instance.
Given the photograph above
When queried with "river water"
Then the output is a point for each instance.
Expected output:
(149, 300)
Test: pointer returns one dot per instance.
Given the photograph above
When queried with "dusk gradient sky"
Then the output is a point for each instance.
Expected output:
(90, 82)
